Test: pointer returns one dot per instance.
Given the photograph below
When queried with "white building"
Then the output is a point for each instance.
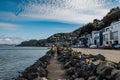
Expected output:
(97, 38)
(89, 39)
(106, 35)
(111, 34)
(85, 39)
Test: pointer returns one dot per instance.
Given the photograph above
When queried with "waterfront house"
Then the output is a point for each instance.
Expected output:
(97, 38)
(89, 39)
(81, 39)
(107, 35)
(111, 34)
(85, 40)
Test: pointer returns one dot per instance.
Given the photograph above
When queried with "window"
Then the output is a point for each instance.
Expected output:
(107, 42)
(115, 42)
(107, 29)
(96, 34)
(105, 37)
(115, 35)
(111, 27)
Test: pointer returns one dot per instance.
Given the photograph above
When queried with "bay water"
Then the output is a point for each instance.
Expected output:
(16, 59)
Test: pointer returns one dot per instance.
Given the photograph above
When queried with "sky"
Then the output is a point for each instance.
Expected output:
(38, 19)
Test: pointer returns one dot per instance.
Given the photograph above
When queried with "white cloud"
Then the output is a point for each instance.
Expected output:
(10, 40)
(8, 26)
(70, 11)
(74, 11)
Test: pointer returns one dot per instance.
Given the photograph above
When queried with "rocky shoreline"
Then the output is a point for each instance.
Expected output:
(77, 66)
(80, 66)
(38, 70)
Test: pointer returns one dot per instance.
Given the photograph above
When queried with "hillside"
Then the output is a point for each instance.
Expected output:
(71, 38)
(113, 15)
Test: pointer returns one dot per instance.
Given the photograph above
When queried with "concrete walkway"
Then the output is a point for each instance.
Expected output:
(55, 72)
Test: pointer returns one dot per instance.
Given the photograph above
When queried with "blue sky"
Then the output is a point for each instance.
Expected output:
(37, 19)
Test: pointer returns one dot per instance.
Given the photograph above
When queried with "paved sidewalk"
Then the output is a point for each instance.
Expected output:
(55, 72)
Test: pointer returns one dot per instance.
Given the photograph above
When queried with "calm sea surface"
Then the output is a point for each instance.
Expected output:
(16, 59)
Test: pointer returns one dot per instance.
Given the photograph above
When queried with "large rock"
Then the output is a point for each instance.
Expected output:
(115, 74)
(105, 68)
(99, 57)
(118, 66)
(42, 72)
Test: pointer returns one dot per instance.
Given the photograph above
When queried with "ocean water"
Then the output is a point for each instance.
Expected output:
(16, 59)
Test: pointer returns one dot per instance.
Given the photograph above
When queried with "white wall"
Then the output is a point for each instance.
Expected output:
(116, 27)
(108, 33)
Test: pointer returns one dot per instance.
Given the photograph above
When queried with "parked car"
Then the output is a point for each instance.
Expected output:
(101, 47)
(81, 46)
(93, 46)
(74, 46)
(107, 46)
(117, 46)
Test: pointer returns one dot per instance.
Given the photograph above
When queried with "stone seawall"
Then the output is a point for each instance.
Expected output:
(77, 66)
